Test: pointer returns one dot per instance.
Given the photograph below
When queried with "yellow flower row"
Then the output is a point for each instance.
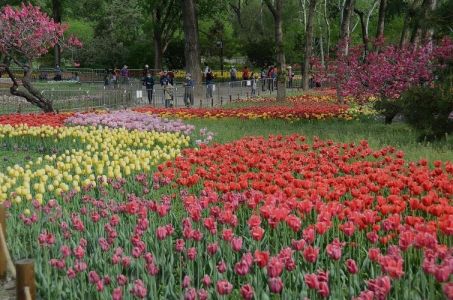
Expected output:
(110, 153)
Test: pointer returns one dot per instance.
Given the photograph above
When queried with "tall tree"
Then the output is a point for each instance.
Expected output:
(236, 7)
(381, 19)
(57, 11)
(276, 10)
(308, 43)
(348, 8)
(364, 24)
(165, 17)
(428, 30)
(192, 44)
(409, 20)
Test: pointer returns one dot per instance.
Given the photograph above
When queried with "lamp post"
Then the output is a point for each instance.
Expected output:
(220, 45)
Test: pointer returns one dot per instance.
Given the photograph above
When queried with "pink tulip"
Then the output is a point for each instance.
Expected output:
(351, 265)
(224, 287)
(117, 294)
(139, 290)
(247, 292)
(275, 285)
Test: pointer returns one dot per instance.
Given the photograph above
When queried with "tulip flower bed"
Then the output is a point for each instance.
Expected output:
(130, 120)
(89, 152)
(308, 110)
(322, 97)
(249, 219)
(49, 119)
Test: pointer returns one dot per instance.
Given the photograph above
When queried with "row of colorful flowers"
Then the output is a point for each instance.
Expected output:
(295, 108)
(249, 219)
(130, 120)
(297, 112)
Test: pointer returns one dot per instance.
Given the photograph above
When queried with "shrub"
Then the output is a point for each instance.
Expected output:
(428, 110)
(388, 108)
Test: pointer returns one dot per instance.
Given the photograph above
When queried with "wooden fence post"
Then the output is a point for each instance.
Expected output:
(25, 278)
(3, 260)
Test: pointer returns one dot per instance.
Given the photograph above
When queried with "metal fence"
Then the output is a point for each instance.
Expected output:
(133, 93)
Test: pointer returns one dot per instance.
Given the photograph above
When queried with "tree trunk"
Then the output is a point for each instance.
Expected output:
(345, 24)
(406, 33)
(326, 19)
(281, 61)
(364, 30)
(277, 11)
(158, 51)
(192, 46)
(308, 44)
(321, 51)
(56, 15)
(408, 20)
(381, 19)
(32, 95)
(428, 32)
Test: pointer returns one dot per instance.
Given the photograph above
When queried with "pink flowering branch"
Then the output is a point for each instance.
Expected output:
(27, 33)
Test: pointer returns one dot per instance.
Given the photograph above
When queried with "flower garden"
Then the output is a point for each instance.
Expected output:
(140, 204)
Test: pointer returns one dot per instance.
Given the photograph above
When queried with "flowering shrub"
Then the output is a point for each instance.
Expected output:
(131, 120)
(249, 219)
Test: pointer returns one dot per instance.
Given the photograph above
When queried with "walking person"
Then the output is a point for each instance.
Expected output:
(254, 84)
(263, 78)
(188, 91)
(245, 75)
(171, 77)
(106, 78)
(233, 74)
(124, 75)
(145, 71)
(163, 78)
(148, 82)
(116, 77)
(270, 76)
(290, 77)
(274, 78)
(168, 94)
(209, 84)
(58, 73)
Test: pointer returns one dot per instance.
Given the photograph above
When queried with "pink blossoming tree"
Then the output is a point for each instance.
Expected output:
(386, 73)
(27, 33)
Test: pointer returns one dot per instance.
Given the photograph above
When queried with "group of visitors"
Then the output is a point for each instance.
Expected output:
(166, 80)
(114, 77)
(268, 77)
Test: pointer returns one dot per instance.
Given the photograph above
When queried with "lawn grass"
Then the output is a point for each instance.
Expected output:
(378, 134)
(12, 157)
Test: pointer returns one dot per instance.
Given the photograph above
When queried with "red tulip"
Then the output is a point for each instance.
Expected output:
(247, 292)
(311, 254)
(190, 294)
(275, 285)
(311, 280)
(351, 265)
(257, 233)
(274, 267)
(117, 294)
(224, 287)
(261, 258)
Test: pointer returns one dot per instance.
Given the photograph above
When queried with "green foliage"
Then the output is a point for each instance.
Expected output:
(388, 108)
(174, 58)
(427, 110)
(261, 53)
